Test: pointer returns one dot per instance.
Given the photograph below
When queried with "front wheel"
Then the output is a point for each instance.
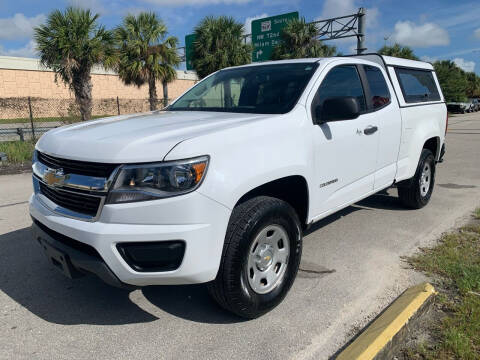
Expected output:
(261, 256)
(416, 192)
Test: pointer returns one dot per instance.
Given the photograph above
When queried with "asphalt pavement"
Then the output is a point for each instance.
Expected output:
(351, 269)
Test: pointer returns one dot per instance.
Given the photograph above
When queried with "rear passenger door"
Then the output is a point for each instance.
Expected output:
(345, 151)
(382, 104)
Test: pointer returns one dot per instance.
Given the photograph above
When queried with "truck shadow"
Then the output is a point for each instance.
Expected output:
(190, 302)
(383, 200)
(28, 279)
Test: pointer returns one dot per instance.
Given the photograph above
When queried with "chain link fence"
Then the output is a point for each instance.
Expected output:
(28, 118)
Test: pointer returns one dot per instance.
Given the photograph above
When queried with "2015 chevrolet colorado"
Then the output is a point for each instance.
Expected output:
(218, 187)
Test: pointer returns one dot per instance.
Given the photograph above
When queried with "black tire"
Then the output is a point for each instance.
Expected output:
(231, 288)
(410, 192)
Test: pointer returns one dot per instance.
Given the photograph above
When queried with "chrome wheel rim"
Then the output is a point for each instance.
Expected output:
(268, 259)
(425, 179)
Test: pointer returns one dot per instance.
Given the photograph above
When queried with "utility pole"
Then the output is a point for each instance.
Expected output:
(361, 31)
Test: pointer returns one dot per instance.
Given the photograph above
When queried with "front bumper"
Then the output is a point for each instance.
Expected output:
(72, 261)
(193, 218)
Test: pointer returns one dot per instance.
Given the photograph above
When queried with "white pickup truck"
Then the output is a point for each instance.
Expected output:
(219, 187)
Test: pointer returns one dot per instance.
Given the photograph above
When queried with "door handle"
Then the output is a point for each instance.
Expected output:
(369, 130)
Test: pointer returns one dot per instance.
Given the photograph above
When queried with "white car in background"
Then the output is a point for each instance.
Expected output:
(474, 105)
(219, 188)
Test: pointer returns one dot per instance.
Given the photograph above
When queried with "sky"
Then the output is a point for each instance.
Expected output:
(435, 29)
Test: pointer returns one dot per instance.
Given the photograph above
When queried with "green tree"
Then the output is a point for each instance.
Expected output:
(219, 44)
(398, 51)
(146, 53)
(71, 43)
(453, 80)
(473, 85)
(298, 40)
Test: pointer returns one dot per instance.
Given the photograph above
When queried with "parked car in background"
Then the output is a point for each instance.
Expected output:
(474, 105)
(220, 187)
(458, 107)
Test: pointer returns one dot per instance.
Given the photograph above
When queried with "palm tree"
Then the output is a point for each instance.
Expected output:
(219, 44)
(70, 43)
(146, 53)
(398, 51)
(299, 41)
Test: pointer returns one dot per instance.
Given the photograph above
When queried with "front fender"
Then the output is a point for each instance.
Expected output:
(246, 157)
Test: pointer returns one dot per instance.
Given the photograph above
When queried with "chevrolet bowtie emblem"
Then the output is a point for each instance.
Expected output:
(54, 177)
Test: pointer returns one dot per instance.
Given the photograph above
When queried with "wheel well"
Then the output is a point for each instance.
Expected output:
(432, 145)
(292, 189)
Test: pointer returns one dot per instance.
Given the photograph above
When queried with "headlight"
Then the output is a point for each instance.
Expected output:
(159, 180)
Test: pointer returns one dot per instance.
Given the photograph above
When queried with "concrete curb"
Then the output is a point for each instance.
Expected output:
(382, 331)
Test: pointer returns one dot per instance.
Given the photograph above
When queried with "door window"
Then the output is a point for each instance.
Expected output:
(380, 96)
(417, 85)
(341, 81)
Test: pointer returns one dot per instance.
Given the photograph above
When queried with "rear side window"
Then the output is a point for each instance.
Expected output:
(417, 85)
(341, 81)
(380, 96)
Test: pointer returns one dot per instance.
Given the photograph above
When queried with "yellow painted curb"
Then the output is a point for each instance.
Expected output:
(387, 325)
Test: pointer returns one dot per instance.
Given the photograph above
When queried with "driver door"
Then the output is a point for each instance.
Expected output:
(345, 151)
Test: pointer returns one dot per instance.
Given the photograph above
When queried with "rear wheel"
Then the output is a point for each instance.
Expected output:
(416, 192)
(261, 256)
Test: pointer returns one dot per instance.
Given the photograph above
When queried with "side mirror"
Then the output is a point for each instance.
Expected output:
(336, 109)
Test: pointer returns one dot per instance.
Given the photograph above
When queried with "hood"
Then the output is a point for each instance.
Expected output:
(146, 137)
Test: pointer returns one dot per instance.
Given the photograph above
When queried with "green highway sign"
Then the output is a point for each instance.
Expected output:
(266, 34)
(189, 39)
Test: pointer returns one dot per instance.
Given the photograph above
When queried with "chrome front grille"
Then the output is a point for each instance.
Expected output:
(78, 202)
(72, 188)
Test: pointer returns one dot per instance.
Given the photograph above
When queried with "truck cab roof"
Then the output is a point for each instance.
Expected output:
(378, 59)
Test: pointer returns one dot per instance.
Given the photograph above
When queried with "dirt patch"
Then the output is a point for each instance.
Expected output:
(10, 169)
(450, 329)
(420, 333)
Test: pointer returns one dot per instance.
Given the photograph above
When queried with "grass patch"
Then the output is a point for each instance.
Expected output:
(455, 262)
(35, 120)
(65, 119)
(477, 214)
(17, 152)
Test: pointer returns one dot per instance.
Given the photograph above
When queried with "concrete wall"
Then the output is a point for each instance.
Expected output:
(23, 77)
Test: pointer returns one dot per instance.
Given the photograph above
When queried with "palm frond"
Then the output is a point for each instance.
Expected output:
(72, 42)
(219, 44)
(144, 50)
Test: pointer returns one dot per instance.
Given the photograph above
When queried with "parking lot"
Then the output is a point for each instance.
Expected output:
(351, 269)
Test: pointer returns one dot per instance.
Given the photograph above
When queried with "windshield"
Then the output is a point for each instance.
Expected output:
(263, 89)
